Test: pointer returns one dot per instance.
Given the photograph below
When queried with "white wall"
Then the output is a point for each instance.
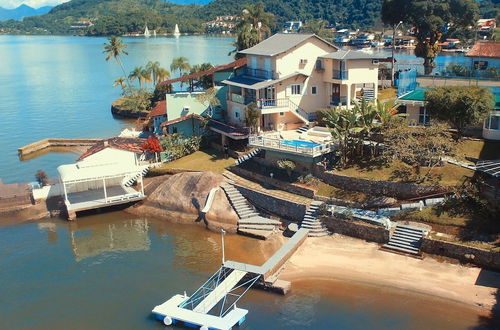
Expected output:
(111, 156)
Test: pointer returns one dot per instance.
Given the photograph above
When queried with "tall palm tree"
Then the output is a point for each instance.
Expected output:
(162, 74)
(114, 49)
(153, 68)
(146, 76)
(122, 82)
(210, 98)
(137, 74)
(261, 21)
(181, 64)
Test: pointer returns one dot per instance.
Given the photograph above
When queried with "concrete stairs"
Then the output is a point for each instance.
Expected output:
(247, 156)
(405, 239)
(368, 94)
(302, 129)
(130, 181)
(311, 221)
(250, 223)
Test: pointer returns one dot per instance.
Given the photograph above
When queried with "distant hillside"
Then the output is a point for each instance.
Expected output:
(118, 17)
(22, 11)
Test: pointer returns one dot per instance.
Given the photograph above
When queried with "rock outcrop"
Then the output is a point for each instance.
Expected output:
(181, 197)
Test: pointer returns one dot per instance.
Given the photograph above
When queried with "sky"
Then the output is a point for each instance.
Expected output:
(9, 4)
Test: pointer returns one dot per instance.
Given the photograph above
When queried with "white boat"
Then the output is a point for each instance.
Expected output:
(176, 30)
(146, 32)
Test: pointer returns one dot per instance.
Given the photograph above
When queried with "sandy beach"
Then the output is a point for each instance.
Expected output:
(344, 258)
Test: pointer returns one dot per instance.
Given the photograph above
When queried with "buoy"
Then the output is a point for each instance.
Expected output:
(203, 327)
(168, 320)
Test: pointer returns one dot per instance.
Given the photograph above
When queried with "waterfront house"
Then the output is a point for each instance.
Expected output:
(485, 58)
(158, 115)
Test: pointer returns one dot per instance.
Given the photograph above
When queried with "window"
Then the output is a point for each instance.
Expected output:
(295, 89)
(493, 122)
(314, 90)
(319, 65)
(480, 65)
(423, 117)
(282, 114)
(237, 114)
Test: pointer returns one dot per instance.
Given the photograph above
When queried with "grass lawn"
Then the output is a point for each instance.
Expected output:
(330, 191)
(387, 94)
(450, 174)
(203, 160)
(430, 215)
(479, 149)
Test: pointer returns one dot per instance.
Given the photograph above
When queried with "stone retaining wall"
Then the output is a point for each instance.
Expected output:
(467, 254)
(283, 208)
(356, 229)
(55, 142)
(399, 190)
(289, 187)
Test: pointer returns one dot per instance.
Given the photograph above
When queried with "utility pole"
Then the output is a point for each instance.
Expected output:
(395, 27)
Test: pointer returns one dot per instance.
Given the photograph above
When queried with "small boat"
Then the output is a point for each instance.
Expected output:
(176, 31)
(147, 34)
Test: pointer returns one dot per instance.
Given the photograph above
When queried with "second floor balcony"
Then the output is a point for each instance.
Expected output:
(340, 74)
(259, 73)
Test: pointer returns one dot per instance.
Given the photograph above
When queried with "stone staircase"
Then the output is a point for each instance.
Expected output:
(311, 221)
(302, 129)
(405, 239)
(130, 180)
(250, 222)
(246, 157)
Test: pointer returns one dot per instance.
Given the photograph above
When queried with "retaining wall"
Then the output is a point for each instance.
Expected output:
(399, 190)
(283, 208)
(467, 254)
(54, 142)
(355, 228)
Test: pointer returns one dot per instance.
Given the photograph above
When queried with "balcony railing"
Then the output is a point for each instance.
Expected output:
(237, 98)
(273, 103)
(340, 74)
(338, 100)
(258, 73)
(285, 146)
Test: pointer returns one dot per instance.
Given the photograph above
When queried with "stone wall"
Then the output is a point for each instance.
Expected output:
(399, 190)
(356, 229)
(289, 187)
(467, 254)
(283, 208)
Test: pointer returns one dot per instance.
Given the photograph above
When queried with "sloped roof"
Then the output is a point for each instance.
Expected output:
(159, 109)
(248, 82)
(233, 65)
(120, 143)
(416, 95)
(485, 49)
(178, 120)
(280, 43)
(352, 55)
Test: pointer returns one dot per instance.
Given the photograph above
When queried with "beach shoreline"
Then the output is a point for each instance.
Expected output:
(348, 259)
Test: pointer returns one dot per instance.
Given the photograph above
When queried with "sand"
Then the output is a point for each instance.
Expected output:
(344, 258)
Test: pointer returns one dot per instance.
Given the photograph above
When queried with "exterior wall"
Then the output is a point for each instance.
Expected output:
(492, 132)
(362, 71)
(285, 122)
(413, 112)
(178, 101)
(111, 155)
(356, 229)
(235, 113)
(187, 128)
(157, 120)
(492, 62)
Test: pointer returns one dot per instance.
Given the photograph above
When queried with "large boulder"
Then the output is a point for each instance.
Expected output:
(181, 197)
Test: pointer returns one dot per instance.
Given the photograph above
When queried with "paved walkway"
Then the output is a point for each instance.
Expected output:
(239, 181)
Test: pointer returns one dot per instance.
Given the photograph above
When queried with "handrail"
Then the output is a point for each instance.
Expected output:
(259, 73)
(299, 112)
(273, 103)
(280, 145)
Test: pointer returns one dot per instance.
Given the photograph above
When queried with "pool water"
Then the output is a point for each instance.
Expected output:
(300, 144)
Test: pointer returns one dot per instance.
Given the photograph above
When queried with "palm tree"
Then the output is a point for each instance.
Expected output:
(261, 21)
(122, 82)
(153, 68)
(162, 74)
(146, 76)
(114, 49)
(210, 97)
(181, 64)
(137, 74)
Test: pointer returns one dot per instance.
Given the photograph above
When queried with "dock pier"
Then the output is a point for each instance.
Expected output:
(213, 305)
(27, 151)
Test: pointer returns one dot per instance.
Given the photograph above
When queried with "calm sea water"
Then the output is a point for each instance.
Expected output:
(59, 86)
(108, 271)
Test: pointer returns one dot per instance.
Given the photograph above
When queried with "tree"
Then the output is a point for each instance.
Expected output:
(430, 18)
(252, 116)
(114, 49)
(287, 165)
(153, 68)
(152, 145)
(386, 111)
(318, 27)
(137, 73)
(210, 97)
(181, 64)
(122, 82)
(205, 81)
(459, 105)
(41, 177)
(161, 75)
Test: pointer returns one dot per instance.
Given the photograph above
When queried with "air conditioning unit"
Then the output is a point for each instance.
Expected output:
(303, 61)
(375, 61)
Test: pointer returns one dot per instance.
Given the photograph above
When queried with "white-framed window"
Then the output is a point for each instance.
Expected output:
(314, 90)
(295, 89)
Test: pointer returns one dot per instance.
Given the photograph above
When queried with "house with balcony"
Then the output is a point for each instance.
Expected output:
(290, 77)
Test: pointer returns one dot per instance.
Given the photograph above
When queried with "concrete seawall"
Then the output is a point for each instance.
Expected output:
(54, 142)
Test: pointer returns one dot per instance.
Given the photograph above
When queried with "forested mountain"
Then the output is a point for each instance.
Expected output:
(125, 16)
(22, 11)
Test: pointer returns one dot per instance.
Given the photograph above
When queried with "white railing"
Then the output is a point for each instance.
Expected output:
(280, 144)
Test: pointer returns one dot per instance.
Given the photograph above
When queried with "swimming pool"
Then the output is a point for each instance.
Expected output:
(300, 144)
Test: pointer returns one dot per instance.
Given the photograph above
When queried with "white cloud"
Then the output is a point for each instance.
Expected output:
(32, 3)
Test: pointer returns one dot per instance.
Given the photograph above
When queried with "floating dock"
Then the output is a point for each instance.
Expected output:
(213, 305)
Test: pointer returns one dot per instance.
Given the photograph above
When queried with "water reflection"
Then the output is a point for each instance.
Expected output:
(89, 238)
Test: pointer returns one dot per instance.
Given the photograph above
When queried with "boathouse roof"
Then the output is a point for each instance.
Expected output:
(120, 143)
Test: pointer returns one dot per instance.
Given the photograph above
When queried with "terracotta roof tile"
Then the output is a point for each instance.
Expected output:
(128, 144)
(485, 49)
(159, 109)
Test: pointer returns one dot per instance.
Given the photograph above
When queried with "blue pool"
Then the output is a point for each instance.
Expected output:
(300, 144)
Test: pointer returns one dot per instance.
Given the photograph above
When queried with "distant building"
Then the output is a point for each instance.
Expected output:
(292, 26)
(485, 55)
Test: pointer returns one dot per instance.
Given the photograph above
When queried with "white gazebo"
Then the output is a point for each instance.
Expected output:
(89, 186)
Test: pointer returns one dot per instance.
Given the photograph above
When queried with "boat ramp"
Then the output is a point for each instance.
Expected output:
(213, 305)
